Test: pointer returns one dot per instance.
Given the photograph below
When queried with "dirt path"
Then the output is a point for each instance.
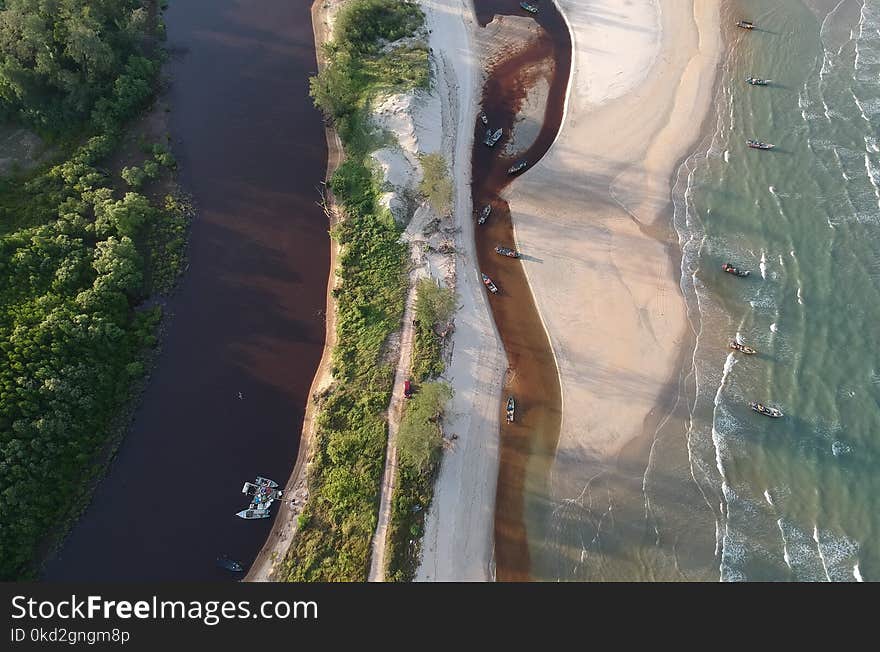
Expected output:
(395, 413)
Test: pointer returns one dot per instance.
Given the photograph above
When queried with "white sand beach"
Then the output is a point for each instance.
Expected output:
(594, 217)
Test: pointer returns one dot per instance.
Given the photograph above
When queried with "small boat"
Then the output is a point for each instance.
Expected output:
(250, 514)
(504, 251)
(745, 24)
(484, 213)
(483, 118)
(742, 348)
(757, 81)
(757, 144)
(489, 284)
(492, 137)
(264, 493)
(265, 482)
(511, 406)
(760, 408)
(519, 166)
(532, 9)
(730, 269)
(229, 564)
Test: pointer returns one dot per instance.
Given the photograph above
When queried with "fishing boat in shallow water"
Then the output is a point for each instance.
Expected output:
(484, 213)
(505, 251)
(757, 81)
(758, 144)
(492, 137)
(511, 406)
(742, 348)
(532, 9)
(745, 24)
(767, 411)
(736, 271)
(519, 166)
(489, 284)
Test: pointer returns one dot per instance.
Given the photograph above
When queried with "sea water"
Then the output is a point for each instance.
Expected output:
(794, 498)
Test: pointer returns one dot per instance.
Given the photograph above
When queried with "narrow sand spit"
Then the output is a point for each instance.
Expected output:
(458, 541)
(594, 218)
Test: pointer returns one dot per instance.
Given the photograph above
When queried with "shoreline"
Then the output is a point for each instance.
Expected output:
(635, 231)
(285, 525)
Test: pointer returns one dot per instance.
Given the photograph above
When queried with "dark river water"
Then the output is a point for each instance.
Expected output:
(248, 316)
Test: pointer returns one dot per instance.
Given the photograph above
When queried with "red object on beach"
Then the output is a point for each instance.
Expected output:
(407, 389)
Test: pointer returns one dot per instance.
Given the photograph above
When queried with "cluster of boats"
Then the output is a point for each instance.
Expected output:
(755, 81)
(263, 492)
(736, 345)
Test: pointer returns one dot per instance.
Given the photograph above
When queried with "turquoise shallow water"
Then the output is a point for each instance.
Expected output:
(794, 498)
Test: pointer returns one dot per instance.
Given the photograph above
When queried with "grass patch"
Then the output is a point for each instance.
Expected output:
(419, 444)
(436, 183)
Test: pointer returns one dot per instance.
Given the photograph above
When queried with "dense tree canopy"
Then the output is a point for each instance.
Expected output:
(73, 253)
(59, 57)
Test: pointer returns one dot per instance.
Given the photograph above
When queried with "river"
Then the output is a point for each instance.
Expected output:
(529, 444)
(227, 396)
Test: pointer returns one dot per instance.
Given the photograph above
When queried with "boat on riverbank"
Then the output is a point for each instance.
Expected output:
(252, 514)
(489, 284)
(767, 411)
(759, 144)
(492, 137)
(519, 166)
(511, 407)
(484, 214)
(505, 251)
(263, 492)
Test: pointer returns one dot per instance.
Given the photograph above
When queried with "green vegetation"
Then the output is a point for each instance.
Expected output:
(419, 443)
(419, 439)
(337, 524)
(67, 63)
(436, 183)
(435, 306)
(359, 65)
(77, 258)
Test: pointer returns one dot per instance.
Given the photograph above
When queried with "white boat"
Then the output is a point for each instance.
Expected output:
(484, 213)
(252, 514)
(265, 482)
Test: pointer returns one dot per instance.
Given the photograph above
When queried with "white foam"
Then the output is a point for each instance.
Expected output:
(767, 497)
(727, 156)
(774, 328)
(763, 265)
(800, 297)
(857, 573)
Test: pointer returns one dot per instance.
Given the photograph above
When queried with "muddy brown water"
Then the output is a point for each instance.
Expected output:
(528, 444)
(248, 316)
